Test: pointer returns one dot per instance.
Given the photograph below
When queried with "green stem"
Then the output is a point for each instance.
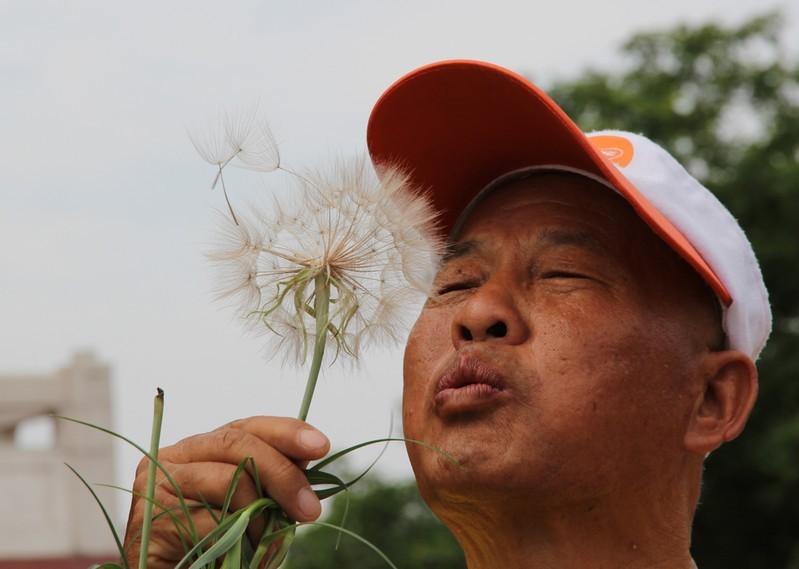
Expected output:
(321, 305)
(155, 437)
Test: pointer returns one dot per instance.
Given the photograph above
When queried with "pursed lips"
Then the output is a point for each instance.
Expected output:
(467, 384)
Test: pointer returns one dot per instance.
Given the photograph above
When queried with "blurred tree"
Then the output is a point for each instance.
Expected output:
(725, 101)
(391, 516)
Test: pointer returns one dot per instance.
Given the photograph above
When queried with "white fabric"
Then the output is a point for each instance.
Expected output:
(713, 232)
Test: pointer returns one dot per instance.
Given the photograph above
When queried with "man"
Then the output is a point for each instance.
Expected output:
(590, 341)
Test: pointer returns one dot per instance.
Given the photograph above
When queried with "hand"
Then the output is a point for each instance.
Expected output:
(203, 465)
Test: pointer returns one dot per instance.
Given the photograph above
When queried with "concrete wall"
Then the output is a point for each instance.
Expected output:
(47, 511)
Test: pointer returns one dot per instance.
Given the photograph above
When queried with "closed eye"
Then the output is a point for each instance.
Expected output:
(563, 275)
(454, 287)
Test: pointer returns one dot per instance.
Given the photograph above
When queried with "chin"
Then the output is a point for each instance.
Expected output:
(483, 464)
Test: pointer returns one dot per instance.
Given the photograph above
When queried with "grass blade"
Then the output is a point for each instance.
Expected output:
(120, 547)
(234, 481)
(233, 556)
(333, 457)
(364, 541)
(149, 493)
(224, 535)
(167, 475)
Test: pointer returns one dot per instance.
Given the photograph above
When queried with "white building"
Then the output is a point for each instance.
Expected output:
(47, 510)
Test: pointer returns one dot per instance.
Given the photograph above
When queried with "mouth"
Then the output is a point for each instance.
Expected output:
(469, 385)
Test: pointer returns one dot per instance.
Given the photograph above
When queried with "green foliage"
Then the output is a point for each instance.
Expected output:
(391, 516)
(725, 101)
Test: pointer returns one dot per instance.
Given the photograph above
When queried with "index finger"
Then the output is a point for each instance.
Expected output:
(293, 438)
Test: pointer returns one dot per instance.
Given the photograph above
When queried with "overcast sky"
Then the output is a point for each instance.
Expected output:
(106, 209)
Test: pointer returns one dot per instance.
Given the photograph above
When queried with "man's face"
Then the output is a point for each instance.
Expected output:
(555, 361)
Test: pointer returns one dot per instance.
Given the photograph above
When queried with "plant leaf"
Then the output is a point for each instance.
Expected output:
(120, 547)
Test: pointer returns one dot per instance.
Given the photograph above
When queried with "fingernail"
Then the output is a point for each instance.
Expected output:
(312, 439)
(308, 503)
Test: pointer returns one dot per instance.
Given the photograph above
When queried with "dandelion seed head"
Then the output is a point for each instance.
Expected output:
(351, 228)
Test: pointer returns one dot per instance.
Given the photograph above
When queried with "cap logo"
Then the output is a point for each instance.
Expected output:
(615, 148)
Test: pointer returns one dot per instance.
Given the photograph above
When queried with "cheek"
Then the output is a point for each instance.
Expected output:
(587, 358)
(428, 344)
(619, 374)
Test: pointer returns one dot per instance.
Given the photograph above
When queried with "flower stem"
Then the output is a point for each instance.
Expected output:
(149, 492)
(321, 305)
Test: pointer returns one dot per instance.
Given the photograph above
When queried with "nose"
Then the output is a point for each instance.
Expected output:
(491, 314)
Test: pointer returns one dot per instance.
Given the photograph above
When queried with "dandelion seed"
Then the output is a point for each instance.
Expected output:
(238, 138)
(253, 141)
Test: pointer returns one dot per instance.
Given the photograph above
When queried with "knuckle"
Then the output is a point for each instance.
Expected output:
(232, 439)
(237, 424)
(141, 468)
(284, 473)
(140, 482)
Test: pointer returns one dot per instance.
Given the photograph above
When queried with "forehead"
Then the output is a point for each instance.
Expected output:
(554, 202)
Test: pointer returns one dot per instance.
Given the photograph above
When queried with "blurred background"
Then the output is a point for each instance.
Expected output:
(107, 210)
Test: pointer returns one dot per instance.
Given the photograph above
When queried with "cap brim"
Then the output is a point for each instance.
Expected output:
(455, 126)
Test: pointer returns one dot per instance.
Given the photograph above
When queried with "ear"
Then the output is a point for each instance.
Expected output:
(724, 399)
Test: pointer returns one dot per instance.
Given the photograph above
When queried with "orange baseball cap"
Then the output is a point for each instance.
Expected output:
(457, 126)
